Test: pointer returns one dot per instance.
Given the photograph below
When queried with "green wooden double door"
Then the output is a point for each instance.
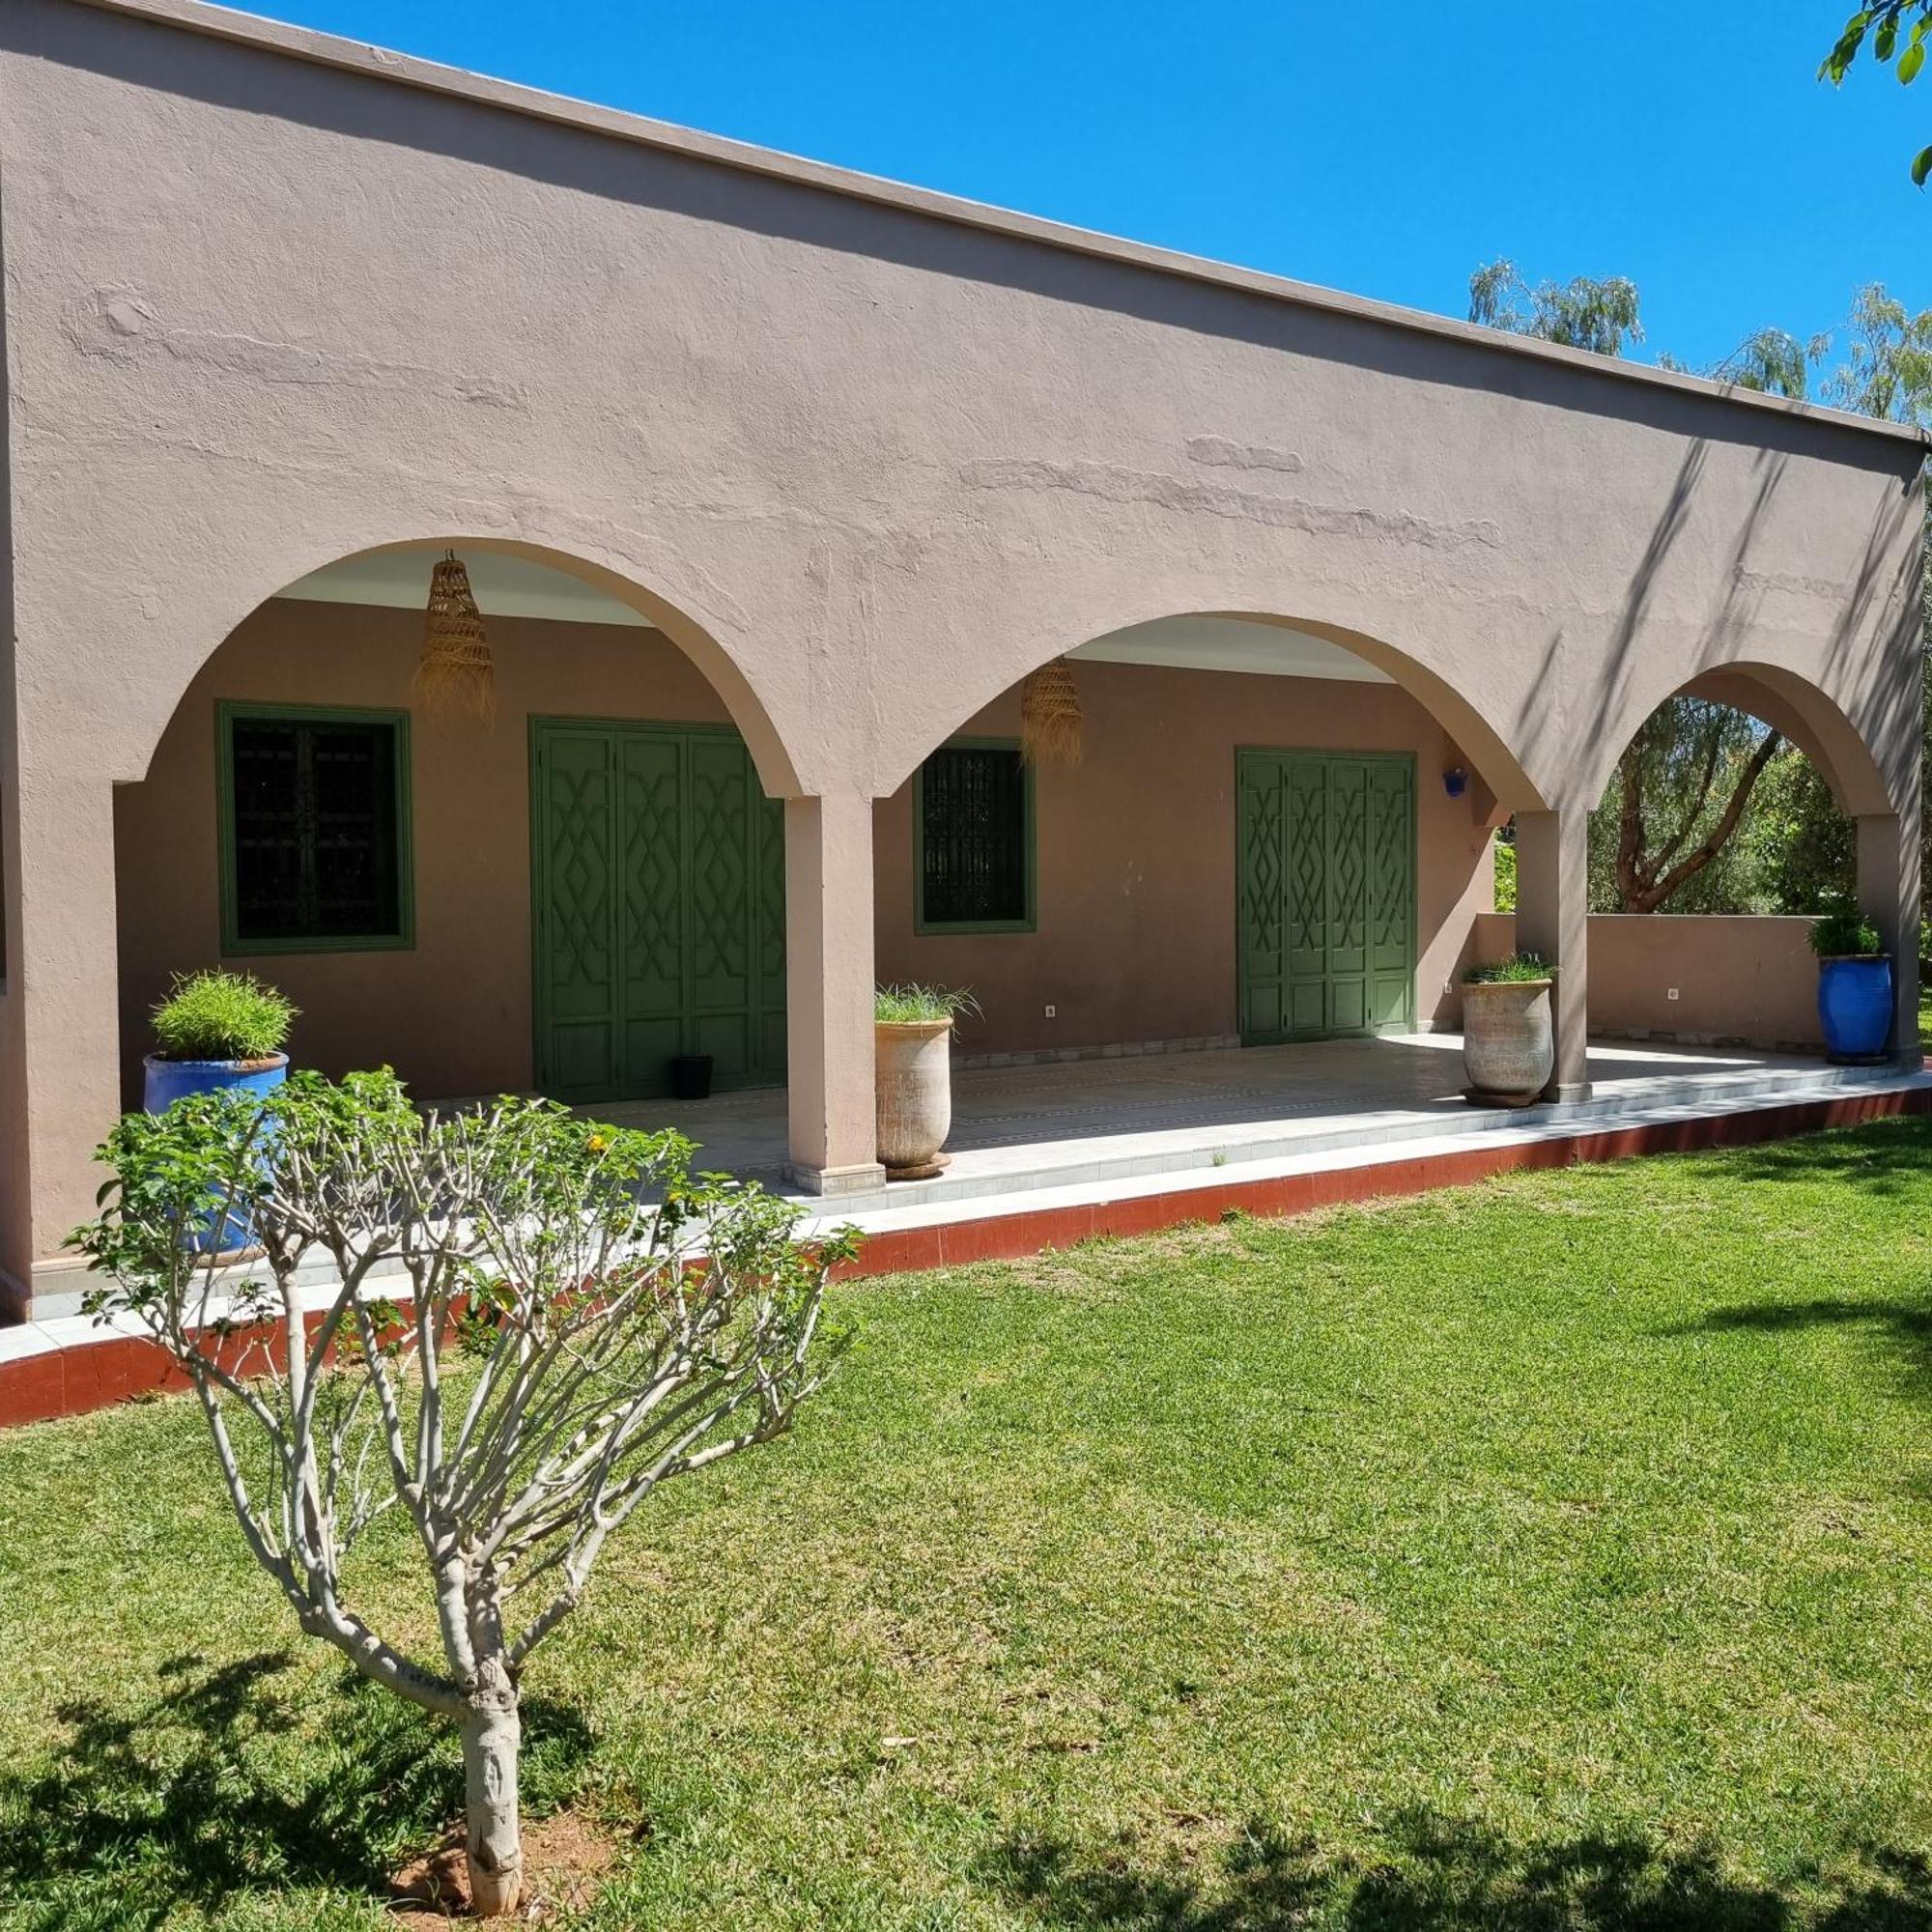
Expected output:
(1326, 895)
(658, 885)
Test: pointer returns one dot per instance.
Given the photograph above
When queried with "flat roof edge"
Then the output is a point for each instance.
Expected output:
(333, 50)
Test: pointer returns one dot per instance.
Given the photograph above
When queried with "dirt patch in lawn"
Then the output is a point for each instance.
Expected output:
(564, 1858)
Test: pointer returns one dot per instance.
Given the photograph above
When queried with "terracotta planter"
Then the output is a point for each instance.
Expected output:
(914, 1090)
(1509, 1041)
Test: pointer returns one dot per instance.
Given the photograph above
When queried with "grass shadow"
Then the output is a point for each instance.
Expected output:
(1443, 1876)
(189, 1802)
(1881, 1157)
(1906, 1326)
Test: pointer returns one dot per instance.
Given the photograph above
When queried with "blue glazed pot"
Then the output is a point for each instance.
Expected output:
(1855, 1007)
(172, 1080)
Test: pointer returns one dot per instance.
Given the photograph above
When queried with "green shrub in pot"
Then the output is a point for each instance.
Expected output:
(1509, 1036)
(913, 1061)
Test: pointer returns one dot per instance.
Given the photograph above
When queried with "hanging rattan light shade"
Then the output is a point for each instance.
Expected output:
(1050, 716)
(455, 673)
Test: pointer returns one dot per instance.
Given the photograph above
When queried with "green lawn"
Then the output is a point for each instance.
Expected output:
(1548, 1555)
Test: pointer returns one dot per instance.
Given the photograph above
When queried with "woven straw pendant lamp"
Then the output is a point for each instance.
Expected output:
(455, 674)
(1050, 716)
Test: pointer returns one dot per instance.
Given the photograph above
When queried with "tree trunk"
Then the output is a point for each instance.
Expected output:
(491, 1737)
(1658, 885)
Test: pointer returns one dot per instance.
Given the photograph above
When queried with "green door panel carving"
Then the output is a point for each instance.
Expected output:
(1325, 893)
(658, 902)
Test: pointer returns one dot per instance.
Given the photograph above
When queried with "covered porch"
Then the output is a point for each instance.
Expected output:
(599, 885)
(1190, 1116)
(1227, 939)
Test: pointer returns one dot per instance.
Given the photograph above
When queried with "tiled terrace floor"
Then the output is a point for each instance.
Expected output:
(1020, 1127)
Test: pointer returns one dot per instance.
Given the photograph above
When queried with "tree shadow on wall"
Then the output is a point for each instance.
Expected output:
(1441, 1875)
(226, 1784)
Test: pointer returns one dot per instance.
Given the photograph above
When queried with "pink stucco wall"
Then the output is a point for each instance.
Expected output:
(1137, 861)
(1135, 937)
(453, 1012)
(1735, 978)
(869, 455)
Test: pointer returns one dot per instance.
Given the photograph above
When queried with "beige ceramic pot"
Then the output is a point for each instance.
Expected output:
(915, 1082)
(1509, 1043)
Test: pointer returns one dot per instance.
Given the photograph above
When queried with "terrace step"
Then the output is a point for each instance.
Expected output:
(67, 1364)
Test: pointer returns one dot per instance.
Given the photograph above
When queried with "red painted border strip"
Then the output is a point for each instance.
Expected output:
(95, 1375)
(1013, 1235)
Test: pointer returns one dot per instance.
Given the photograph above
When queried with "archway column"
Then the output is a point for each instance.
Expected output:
(1888, 863)
(59, 1038)
(832, 1118)
(1552, 918)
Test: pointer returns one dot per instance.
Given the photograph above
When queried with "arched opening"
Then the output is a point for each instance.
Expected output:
(1728, 821)
(569, 898)
(1276, 833)
(527, 580)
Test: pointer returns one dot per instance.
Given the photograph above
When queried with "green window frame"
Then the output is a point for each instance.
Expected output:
(923, 924)
(402, 938)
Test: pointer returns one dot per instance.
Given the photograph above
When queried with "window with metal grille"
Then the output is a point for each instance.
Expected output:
(973, 811)
(315, 848)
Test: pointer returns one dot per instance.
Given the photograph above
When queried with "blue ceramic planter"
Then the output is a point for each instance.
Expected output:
(172, 1080)
(1855, 1007)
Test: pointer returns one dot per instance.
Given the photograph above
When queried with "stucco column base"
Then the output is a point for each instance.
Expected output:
(831, 1109)
(1552, 918)
(864, 1178)
(60, 1022)
(1888, 861)
(57, 1286)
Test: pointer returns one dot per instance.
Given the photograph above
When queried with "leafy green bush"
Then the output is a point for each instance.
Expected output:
(1505, 874)
(1517, 970)
(222, 1017)
(1796, 851)
(1845, 935)
(918, 1006)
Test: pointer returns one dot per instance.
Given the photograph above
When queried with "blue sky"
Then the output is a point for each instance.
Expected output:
(1386, 151)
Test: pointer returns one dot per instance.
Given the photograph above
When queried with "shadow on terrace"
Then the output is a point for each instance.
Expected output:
(1016, 1124)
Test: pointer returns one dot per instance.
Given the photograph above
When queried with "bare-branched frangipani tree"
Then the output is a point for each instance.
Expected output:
(537, 1323)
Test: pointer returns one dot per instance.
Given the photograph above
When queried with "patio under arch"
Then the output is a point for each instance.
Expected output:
(567, 897)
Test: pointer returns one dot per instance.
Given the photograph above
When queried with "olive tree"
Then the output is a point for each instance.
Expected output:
(528, 1324)
(1683, 786)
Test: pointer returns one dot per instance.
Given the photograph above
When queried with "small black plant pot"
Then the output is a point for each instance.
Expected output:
(690, 1076)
